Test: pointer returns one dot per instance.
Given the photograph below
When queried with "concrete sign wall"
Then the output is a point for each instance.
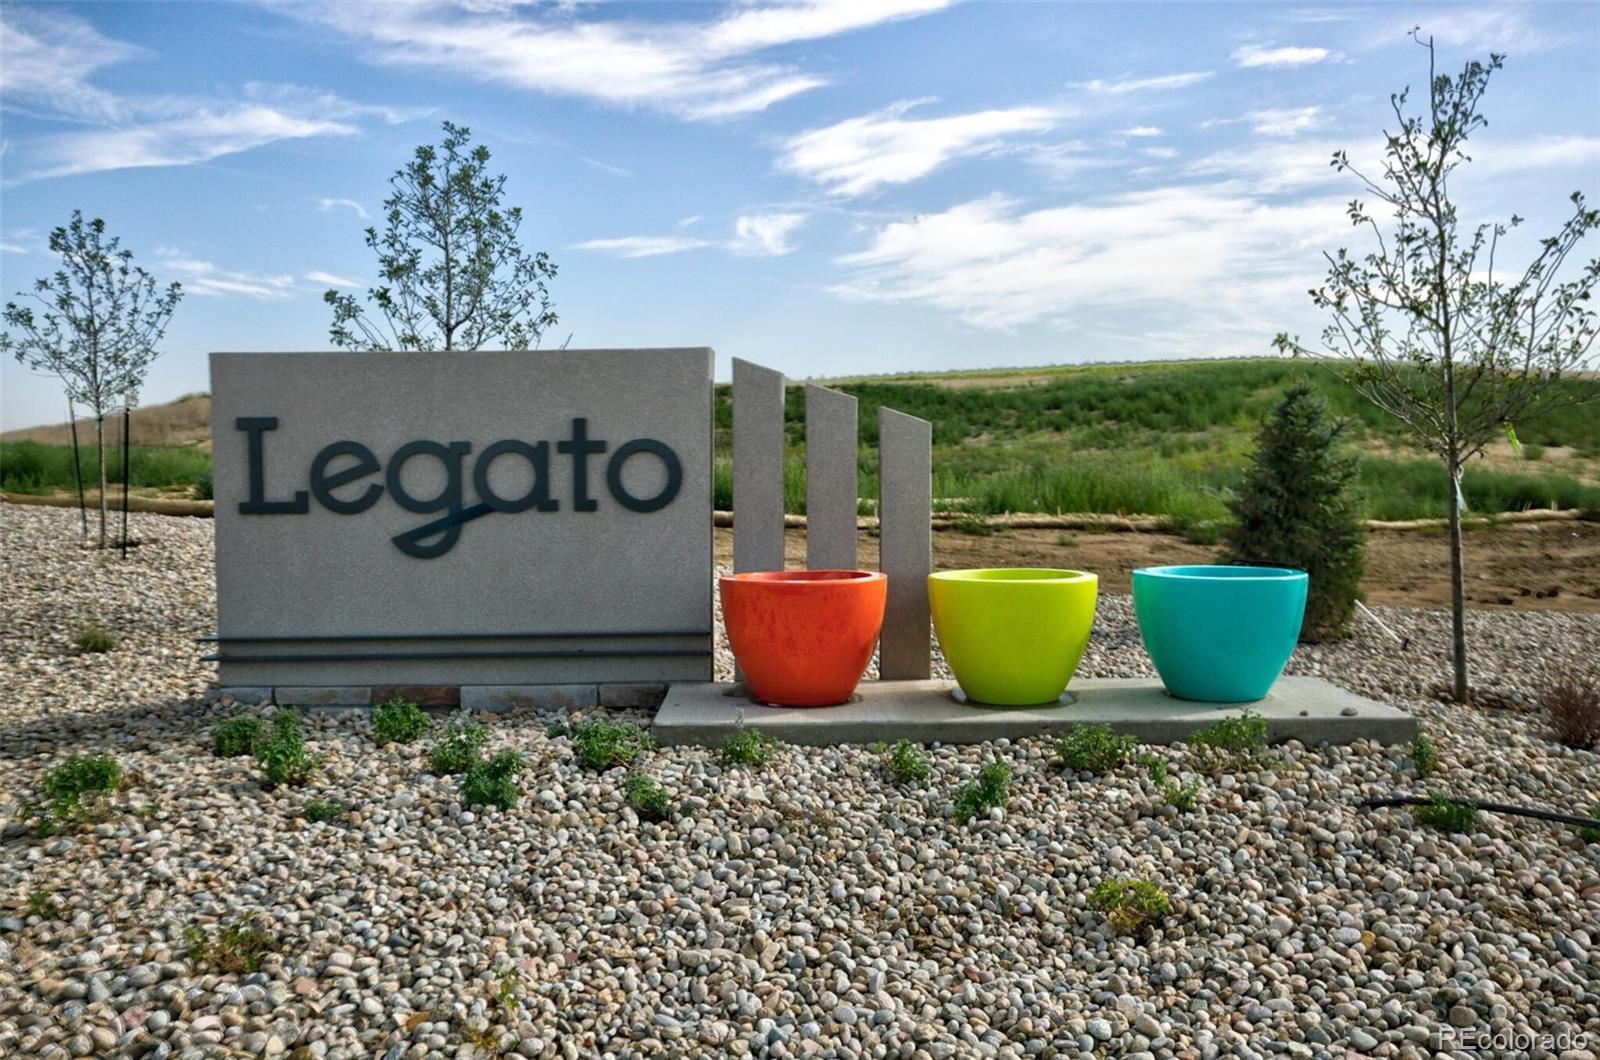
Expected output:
(498, 518)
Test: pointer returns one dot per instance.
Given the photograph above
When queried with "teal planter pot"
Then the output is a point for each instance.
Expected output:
(1219, 634)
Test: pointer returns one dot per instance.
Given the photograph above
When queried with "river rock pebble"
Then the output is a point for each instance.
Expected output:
(811, 908)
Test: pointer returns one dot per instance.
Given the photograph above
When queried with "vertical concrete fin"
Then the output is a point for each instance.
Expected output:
(905, 512)
(830, 479)
(757, 467)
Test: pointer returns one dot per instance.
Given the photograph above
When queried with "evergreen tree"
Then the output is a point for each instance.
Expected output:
(1295, 509)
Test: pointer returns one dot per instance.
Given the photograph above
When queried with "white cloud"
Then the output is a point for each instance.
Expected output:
(765, 234)
(696, 70)
(858, 155)
(329, 279)
(1503, 28)
(348, 204)
(206, 279)
(643, 246)
(50, 56)
(1285, 122)
(21, 241)
(1143, 84)
(1545, 152)
(210, 133)
(1253, 55)
(755, 234)
(1214, 258)
(1140, 131)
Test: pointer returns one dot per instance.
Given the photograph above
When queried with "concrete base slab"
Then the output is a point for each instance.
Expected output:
(1307, 709)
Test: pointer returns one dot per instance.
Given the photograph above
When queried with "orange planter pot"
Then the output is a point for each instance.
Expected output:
(803, 638)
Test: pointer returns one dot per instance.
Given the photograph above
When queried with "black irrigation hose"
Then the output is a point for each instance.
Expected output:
(1491, 807)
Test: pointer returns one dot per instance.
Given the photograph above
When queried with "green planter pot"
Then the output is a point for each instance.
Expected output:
(1013, 636)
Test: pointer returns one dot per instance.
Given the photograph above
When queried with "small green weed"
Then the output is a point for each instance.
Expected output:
(1066, 539)
(454, 752)
(398, 721)
(1156, 766)
(974, 526)
(647, 797)
(907, 764)
(1591, 835)
(505, 994)
(1447, 814)
(43, 905)
(93, 639)
(602, 744)
(979, 796)
(493, 782)
(1130, 905)
(236, 736)
(1183, 798)
(1093, 749)
(1238, 739)
(1423, 754)
(281, 753)
(318, 810)
(238, 948)
(747, 747)
(77, 785)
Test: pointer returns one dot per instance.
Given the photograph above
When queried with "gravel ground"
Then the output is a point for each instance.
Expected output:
(811, 908)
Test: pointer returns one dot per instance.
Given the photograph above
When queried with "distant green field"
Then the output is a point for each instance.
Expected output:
(1166, 440)
(28, 467)
(1162, 439)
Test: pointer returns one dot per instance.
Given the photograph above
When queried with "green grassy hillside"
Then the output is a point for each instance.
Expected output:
(1166, 439)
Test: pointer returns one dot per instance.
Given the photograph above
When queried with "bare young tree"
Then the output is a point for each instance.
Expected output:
(453, 274)
(96, 325)
(1430, 325)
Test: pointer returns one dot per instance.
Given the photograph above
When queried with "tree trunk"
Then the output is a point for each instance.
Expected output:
(1458, 591)
(100, 444)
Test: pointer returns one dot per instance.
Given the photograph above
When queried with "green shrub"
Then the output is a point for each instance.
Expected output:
(201, 490)
(281, 753)
(1447, 814)
(907, 763)
(647, 797)
(70, 787)
(1240, 738)
(1423, 754)
(319, 810)
(43, 905)
(602, 744)
(1156, 766)
(94, 639)
(238, 948)
(1093, 749)
(979, 796)
(454, 752)
(747, 747)
(236, 736)
(398, 721)
(1183, 798)
(1130, 905)
(1295, 508)
(1591, 834)
(493, 781)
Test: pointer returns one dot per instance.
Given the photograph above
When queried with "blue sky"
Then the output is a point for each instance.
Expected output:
(824, 188)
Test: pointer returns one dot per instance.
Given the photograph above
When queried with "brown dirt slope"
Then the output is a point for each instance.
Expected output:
(1532, 566)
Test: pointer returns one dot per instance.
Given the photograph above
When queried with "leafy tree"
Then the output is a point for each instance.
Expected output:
(1295, 509)
(1430, 325)
(453, 273)
(96, 325)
